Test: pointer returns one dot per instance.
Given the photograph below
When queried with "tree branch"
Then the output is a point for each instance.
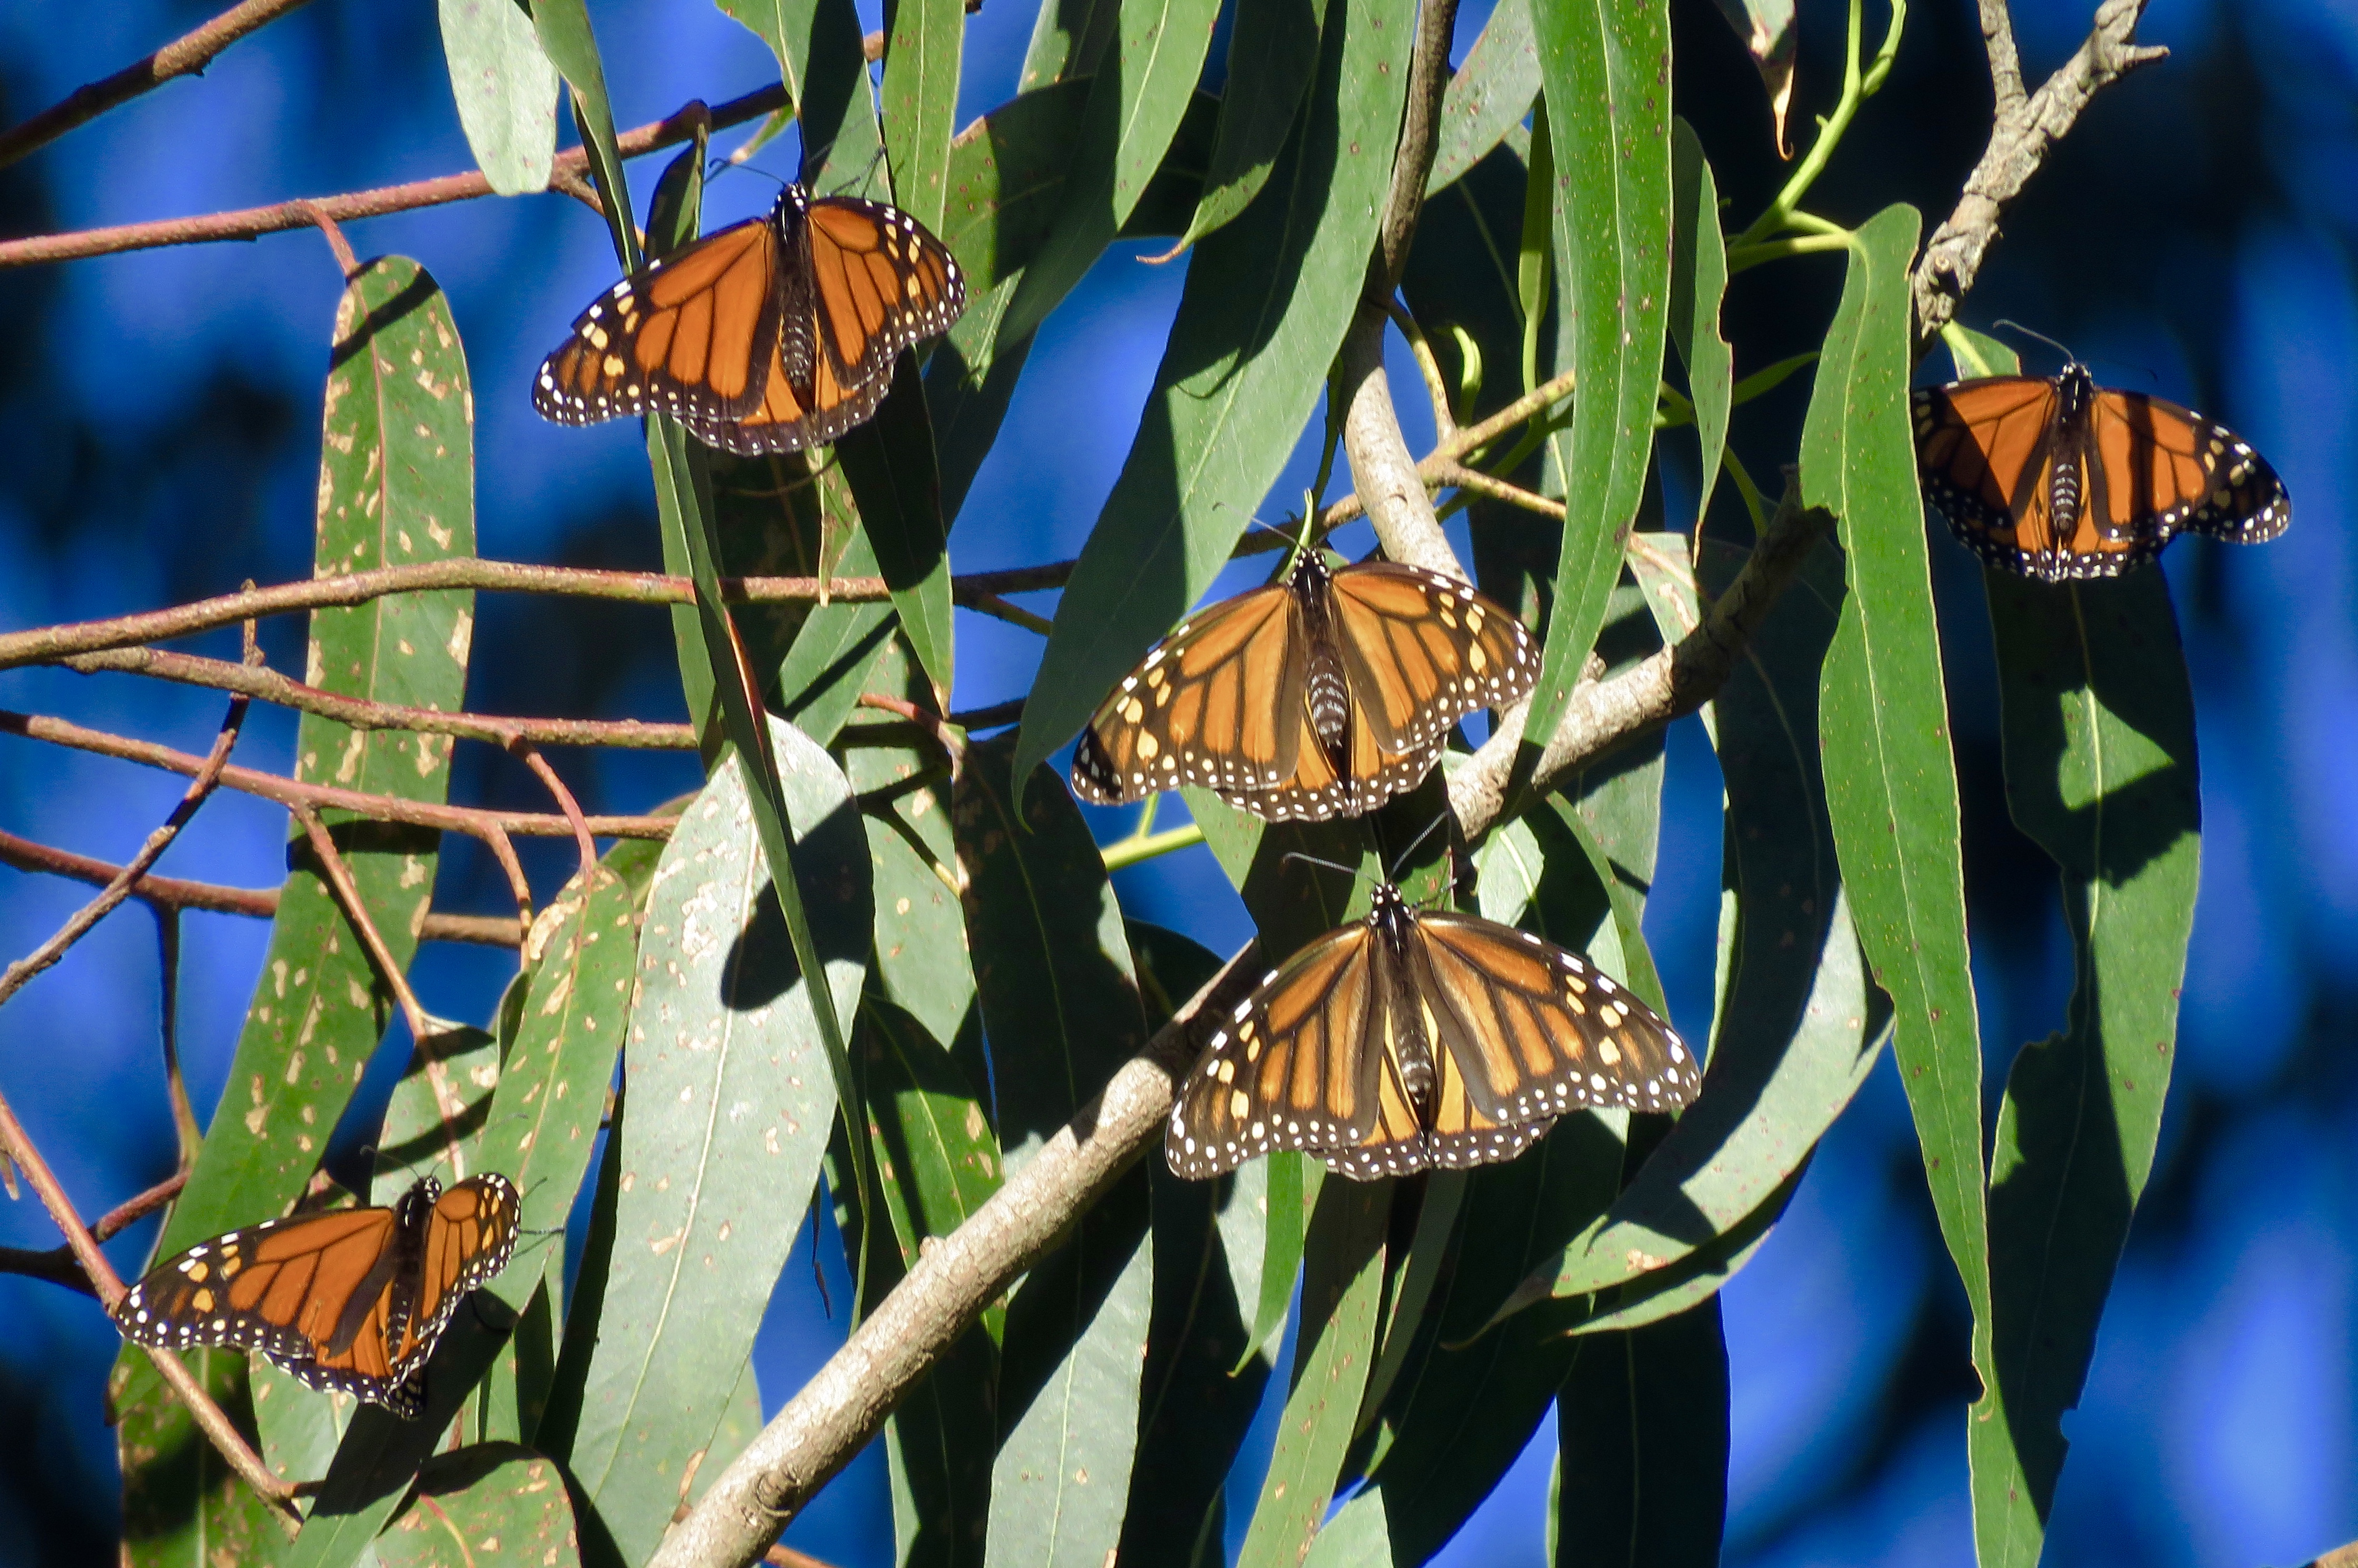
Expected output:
(118, 887)
(1388, 483)
(50, 645)
(837, 1412)
(472, 821)
(253, 222)
(2019, 141)
(251, 680)
(259, 904)
(210, 1417)
(184, 56)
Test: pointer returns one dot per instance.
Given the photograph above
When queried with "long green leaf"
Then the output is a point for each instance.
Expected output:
(2101, 772)
(1793, 1037)
(542, 1124)
(1642, 1452)
(1698, 279)
(1266, 303)
(1606, 65)
(507, 92)
(730, 1114)
(397, 487)
(920, 91)
(1137, 95)
(1891, 789)
(1341, 1301)
(820, 62)
(1272, 55)
(1489, 94)
(889, 464)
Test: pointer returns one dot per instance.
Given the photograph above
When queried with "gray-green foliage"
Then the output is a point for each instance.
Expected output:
(663, 1046)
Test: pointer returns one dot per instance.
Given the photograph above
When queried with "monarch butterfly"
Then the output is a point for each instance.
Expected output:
(2057, 478)
(766, 336)
(1409, 1041)
(354, 1298)
(1324, 695)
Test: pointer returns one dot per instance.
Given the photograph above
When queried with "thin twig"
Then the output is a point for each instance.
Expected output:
(565, 803)
(473, 821)
(1445, 456)
(58, 1264)
(210, 1416)
(176, 1086)
(184, 56)
(51, 643)
(252, 222)
(2024, 131)
(356, 914)
(208, 776)
(1459, 477)
(258, 903)
(220, 675)
(338, 247)
(952, 743)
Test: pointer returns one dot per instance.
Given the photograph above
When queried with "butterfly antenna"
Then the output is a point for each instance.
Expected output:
(1415, 844)
(1352, 872)
(722, 166)
(2041, 337)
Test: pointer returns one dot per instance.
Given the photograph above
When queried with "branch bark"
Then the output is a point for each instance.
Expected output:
(184, 56)
(1385, 476)
(259, 904)
(2025, 130)
(834, 1414)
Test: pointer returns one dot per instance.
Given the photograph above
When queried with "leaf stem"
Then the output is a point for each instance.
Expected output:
(1859, 84)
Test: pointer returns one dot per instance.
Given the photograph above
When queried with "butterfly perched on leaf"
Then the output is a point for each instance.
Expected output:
(1322, 695)
(2058, 478)
(1409, 1041)
(353, 1300)
(767, 336)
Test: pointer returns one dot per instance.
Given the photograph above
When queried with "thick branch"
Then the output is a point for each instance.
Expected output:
(184, 56)
(829, 1421)
(260, 904)
(2018, 144)
(1384, 475)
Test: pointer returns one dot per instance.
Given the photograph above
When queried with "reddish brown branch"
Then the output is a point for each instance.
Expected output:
(252, 222)
(210, 1416)
(565, 803)
(347, 895)
(473, 821)
(184, 56)
(207, 776)
(220, 675)
(259, 904)
(58, 1264)
(53, 643)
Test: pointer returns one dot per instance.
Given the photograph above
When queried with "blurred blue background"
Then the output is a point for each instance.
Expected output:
(158, 418)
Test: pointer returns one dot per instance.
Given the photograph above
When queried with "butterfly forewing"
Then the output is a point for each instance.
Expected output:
(1423, 650)
(1538, 1031)
(1216, 703)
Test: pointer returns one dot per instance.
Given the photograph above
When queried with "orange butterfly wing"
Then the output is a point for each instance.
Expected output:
(692, 334)
(1213, 705)
(1422, 651)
